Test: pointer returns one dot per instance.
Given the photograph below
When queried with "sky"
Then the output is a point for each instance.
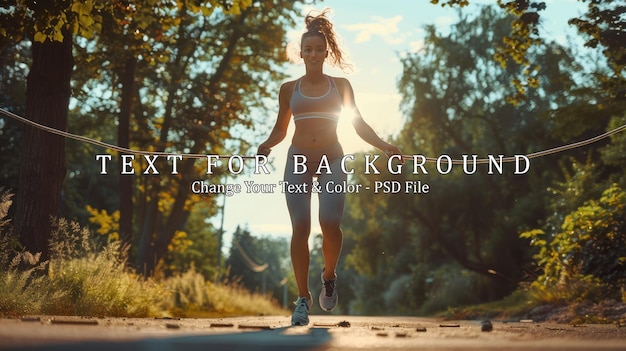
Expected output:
(375, 35)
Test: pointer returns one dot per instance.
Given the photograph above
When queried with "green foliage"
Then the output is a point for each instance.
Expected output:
(86, 278)
(200, 251)
(78, 280)
(13, 77)
(100, 285)
(586, 256)
(450, 3)
(21, 284)
(188, 292)
(450, 287)
(5, 204)
(464, 234)
(186, 77)
(614, 154)
(108, 224)
(513, 306)
(454, 102)
(193, 296)
(259, 264)
(193, 87)
(602, 25)
(52, 20)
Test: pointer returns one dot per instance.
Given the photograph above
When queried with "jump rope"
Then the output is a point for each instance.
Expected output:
(198, 156)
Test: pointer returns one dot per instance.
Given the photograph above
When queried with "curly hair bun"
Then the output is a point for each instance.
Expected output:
(319, 24)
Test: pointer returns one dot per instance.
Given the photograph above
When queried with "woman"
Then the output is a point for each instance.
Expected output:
(316, 101)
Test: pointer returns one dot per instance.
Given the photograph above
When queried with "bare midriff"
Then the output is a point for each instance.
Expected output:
(315, 133)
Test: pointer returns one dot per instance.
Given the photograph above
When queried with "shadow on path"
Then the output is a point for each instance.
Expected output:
(265, 340)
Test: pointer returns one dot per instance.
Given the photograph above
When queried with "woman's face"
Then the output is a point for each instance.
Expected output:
(313, 50)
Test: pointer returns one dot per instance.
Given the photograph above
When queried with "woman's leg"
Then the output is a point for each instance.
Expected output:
(331, 211)
(299, 206)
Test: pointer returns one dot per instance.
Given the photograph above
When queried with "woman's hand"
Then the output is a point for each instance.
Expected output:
(263, 150)
(391, 150)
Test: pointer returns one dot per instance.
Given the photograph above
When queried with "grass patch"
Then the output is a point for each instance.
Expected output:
(519, 303)
(80, 279)
(22, 291)
(97, 285)
(192, 296)
(537, 304)
(83, 278)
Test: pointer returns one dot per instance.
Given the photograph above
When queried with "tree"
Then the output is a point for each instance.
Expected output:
(197, 81)
(217, 71)
(583, 257)
(13, 99)
(602, 25)
(454, 102)
(42, 166)
(259, 264)
(575, 260)
(51, 26)
(202, 252)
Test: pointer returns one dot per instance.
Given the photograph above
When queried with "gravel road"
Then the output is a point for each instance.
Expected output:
(328, 332)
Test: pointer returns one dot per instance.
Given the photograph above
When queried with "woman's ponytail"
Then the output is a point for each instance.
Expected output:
(320, 25)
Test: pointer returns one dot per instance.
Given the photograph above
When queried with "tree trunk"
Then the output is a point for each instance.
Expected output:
(145, 261)
(42, 163)
(127, 78)
(154, 247)
(178, 216)
(155, 237)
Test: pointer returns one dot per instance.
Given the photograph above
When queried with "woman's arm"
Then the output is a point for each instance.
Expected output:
(362, 128)
(282, 121)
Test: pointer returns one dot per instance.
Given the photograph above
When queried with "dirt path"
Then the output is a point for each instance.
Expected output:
(325, 333)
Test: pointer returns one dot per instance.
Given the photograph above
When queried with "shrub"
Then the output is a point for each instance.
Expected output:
(22, 291)
(86, 278)
(21, 281)
(79, 279)
(587, 257)
(192, 296)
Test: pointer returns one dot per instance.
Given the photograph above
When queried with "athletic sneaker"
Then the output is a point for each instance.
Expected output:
(328, 295)
(301, 312)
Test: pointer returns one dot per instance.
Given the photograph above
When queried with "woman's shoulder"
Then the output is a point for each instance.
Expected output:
(288, 85)
(343, 85)
(340, 81)
(286, 88)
